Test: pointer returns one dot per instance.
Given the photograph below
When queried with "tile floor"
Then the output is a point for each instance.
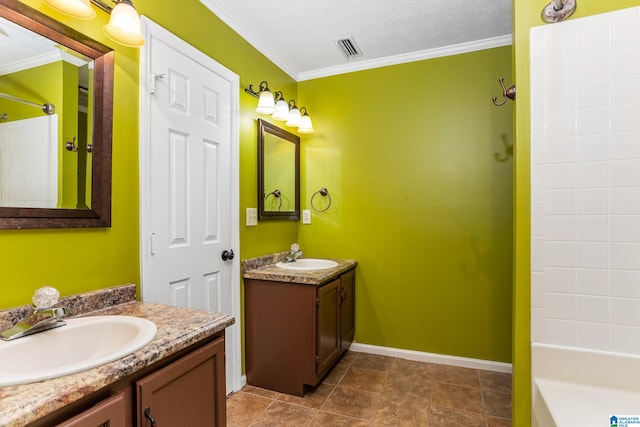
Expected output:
(372, 390)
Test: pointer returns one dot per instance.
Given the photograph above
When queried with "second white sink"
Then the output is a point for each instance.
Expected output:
(307, 264)
(84, 343)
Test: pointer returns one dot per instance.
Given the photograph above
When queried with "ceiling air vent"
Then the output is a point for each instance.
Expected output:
(349, 47)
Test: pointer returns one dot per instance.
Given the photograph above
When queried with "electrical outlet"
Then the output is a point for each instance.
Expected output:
(252, 217)
(306, 216)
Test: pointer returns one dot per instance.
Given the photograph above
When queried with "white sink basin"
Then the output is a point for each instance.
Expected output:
(84, 343)
(306, 264)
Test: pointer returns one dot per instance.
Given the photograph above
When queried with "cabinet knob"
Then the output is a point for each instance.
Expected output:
(227, 255)
(147, 415)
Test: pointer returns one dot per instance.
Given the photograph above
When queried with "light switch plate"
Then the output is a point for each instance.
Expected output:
(306, 216)
(252, 217)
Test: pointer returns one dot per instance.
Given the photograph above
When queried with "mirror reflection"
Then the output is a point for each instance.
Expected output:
(278, 173)
(56, 110)
(44, 101)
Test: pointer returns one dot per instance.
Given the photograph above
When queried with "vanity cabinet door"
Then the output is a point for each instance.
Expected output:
(328, 327)
(347, 309)
(110, 412)
(189, 392)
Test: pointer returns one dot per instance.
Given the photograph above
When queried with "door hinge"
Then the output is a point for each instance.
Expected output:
(317, 302)
(152, 81)
(317, 359)
(153, 243)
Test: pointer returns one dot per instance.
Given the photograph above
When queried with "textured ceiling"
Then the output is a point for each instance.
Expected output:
(300, 35)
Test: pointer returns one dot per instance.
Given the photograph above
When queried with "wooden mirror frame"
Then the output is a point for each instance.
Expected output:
(99, 214)
(266, 127)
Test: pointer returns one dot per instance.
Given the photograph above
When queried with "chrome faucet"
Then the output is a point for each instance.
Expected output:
(294, 254)
(43, 317)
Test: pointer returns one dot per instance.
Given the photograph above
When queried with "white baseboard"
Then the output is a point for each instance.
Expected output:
(442, 359)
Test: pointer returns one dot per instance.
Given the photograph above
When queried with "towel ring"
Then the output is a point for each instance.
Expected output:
(324, 193)
(275, 193)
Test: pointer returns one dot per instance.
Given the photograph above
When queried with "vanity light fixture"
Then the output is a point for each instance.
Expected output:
(305, 122)
(282, 108)
(124, 24)
(293, 121)
(279, 108)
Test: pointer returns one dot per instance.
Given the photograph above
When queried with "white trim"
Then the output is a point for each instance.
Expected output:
(408, 57)
(44, 59)
(463, 362)
(254, 39)
(152, 31)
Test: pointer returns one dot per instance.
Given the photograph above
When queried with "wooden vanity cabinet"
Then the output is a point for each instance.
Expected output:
(189, 392)
(296, 332)
(111, 412)
(187, 389)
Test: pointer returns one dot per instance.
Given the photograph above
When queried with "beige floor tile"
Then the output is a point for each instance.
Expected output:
(497, 404)
(243, 408)
(362, 379)
(495, 381)
(314, 398)
(324, 419)
(335, 375)
(457, 397)
(445, 417)
(412, 368)
(392, 411)
(281, 414)
(456, 375)
(373, 362)
(348, 358)
(365, 390)
(410, 388)
(498, 422)
(260, 391)
(350, 402)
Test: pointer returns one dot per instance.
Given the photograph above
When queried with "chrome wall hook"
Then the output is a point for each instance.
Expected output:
(506, 94)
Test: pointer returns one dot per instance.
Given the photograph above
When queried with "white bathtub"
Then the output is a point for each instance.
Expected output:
(581, 388)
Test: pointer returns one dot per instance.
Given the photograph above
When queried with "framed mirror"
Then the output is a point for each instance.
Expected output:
(56, 111)
(278, 173)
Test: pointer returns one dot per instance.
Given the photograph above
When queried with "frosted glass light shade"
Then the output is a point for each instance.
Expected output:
(80, 9)
(266, 104)
(294, 118)
(124, 26)
(305, 125)
(282, 111)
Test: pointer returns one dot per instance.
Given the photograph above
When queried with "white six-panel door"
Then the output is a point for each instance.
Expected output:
(188, 220)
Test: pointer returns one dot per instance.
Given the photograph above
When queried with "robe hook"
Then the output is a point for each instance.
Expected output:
(506, 93)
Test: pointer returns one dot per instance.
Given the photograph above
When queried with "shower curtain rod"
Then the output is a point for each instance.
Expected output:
(47, 108)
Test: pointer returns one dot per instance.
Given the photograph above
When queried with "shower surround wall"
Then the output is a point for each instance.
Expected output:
(585, 183)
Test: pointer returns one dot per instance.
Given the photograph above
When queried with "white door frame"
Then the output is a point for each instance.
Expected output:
(153, 31)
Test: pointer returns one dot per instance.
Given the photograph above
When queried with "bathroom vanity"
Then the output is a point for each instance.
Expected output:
(176, 379)
(297, 324)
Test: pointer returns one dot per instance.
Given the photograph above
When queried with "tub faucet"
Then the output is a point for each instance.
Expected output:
(294, 254)
(43, 316)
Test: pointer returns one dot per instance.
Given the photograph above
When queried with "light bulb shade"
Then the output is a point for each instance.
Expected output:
(282, 111)
(266, 104)
(294, 118)
(124, 26)
(80, 9)
(305, 125)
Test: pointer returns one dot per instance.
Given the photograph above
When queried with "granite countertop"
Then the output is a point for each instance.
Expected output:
(178, 328)
(264, 268)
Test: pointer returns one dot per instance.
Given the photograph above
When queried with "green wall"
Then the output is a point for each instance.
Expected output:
(418, 199)
(77, 260)
(526, 16)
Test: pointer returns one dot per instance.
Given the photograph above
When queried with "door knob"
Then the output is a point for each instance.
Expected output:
(227, 255)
